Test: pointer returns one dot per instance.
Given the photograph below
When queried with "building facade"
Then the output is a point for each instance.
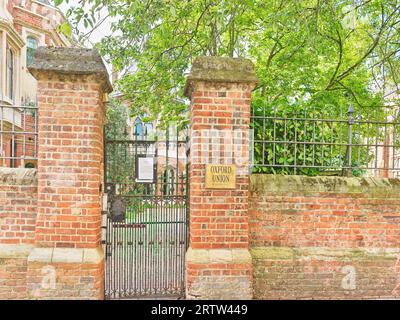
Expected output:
(24, 26)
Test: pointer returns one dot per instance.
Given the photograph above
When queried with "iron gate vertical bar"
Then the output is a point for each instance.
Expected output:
(350, 112)
(186, 226)
(105, 189)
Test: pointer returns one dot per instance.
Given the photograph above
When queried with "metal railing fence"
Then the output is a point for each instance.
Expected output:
(326, 141)
(18, 136)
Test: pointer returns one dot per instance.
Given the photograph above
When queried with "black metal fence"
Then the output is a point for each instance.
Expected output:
(326, 141)
(18, 136)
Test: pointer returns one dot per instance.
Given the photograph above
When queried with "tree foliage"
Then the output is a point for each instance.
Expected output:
(307, 53)
(304, 51)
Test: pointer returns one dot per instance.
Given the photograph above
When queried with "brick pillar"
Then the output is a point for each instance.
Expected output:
(67, 261)
(218, 262)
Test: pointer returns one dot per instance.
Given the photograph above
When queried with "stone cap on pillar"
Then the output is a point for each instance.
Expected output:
(70, 60)
(220, 69)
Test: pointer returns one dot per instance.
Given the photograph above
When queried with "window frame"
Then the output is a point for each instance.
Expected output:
(30, 51)
(10, 73)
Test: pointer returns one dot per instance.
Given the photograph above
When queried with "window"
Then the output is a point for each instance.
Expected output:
(138, 127)
(31, 46)
(10, 74)
(149, 129)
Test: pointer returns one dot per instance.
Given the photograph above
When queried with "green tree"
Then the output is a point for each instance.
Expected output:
(313, 50)
(116, 121)
(307, 54)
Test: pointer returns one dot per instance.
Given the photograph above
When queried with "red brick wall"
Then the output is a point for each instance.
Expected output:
(71, 281)
(18, 200)
(13, 278)
(67, 260)
(310, 235)
(50, 227)
(218, 263)
(28, 17)
(218, 218)
(70, 161)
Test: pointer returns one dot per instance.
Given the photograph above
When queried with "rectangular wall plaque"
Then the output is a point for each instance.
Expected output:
(220, 176)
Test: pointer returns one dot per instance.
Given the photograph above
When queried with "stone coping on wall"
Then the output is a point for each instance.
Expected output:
(51, 255)
(218, 255)
(12, 251)
(17, 176)
(67, 255)
(70, 60)
(220, 69)
(322, 253)
(264, 183)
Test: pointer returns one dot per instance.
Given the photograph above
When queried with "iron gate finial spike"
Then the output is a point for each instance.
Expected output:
(350, 110)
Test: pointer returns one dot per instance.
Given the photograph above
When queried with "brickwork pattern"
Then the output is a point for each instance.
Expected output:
(71, 281)
(219, 280)
(13, 278)
(218, 218)
(218, 264)
(70, 161)
(309, 233)
(322, 274)
(18, 201)
(50, 218)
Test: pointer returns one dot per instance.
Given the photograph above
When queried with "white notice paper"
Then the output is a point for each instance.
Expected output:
(145, 169)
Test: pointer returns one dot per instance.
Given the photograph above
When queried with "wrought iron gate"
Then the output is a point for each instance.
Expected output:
(145, 225)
